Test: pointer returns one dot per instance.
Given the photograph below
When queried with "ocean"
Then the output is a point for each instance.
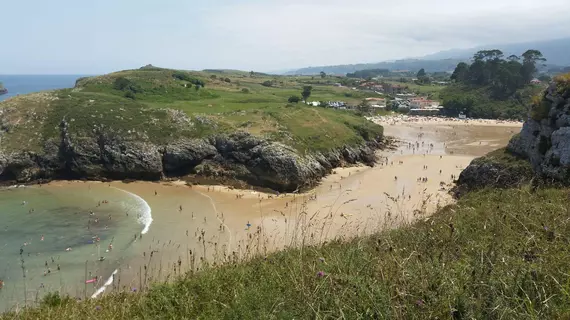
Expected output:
(22, 84)
(54, 238)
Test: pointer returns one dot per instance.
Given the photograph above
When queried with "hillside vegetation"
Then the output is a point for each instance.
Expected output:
(152, 123)
(493, 86)
(138, 101)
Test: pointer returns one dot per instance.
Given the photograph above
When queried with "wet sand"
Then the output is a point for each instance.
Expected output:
(221, 223)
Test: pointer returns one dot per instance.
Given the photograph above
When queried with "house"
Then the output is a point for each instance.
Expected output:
(394, 88)
(376, 101)
(423, 103)
(337, 104)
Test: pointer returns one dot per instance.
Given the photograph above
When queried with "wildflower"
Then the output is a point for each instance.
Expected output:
(321, 259)
(97, 308)
(419, 303)
(320, 274)
(133, 289)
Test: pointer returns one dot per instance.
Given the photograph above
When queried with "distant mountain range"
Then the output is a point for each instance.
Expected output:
(557, 53)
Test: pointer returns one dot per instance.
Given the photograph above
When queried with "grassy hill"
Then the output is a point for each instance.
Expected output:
(223, 101)
(153, 123)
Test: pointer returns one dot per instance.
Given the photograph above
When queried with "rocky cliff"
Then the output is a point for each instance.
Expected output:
(545, 137)
(68, 135)
(540, 152)
(238, 155)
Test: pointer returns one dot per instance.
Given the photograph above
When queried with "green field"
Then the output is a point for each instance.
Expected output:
(428, 90)
(139, 104)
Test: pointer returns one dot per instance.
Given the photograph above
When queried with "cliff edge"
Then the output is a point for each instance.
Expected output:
(152, 124)
(539, 153)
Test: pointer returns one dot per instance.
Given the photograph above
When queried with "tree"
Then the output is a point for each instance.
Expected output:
(306, 92)
(530, 58)
(251, 73)
(461, 72)
(421, 73)
(323, 74)
(294, 99)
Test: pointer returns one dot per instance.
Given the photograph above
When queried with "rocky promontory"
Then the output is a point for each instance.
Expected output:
(540, 152)
(96, 131)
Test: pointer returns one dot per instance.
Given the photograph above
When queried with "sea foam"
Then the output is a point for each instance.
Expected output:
(145, 216)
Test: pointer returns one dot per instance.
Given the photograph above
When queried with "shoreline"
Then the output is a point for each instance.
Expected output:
(349, 201)
(440, 120)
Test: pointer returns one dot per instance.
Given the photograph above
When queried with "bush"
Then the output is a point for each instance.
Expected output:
(130, 95)
(294, 99)
(539, 109)
(186, 77)
(245, 90)
(228, 80)
(267, 83)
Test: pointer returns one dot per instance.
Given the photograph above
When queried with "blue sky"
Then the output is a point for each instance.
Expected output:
(100, 36)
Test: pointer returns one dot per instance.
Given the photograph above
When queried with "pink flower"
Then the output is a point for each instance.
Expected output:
(320, 274)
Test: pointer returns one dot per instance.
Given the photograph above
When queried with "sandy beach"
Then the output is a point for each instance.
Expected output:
(220, 224)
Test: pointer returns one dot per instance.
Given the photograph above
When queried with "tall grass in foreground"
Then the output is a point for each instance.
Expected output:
(496, 254)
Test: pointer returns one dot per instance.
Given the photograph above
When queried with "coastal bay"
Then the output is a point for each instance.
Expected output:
(196, 223)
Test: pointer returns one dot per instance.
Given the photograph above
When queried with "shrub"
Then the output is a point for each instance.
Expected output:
(245, 90)
(130, 95)
(294, 99)
(267, 83)
(186, 77)
(539, 109)
(228, 80)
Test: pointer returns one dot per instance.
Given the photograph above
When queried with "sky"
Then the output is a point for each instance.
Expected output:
(101, 36)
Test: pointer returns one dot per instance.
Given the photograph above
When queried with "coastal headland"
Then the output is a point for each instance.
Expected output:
(153, 123)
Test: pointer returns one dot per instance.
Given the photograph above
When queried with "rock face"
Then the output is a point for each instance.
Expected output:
(539, 153)
(545, 137)
(499, 169)
(239, 156)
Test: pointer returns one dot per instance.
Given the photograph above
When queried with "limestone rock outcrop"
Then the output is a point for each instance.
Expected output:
(240, 156)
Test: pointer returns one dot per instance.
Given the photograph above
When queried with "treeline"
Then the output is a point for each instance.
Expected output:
(370, 73)
(503, 76)
(493, 86)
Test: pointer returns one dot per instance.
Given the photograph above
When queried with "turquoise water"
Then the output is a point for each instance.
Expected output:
(39, 224)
